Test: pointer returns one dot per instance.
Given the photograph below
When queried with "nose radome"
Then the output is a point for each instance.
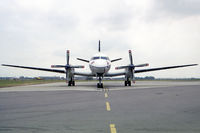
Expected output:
(101, 63)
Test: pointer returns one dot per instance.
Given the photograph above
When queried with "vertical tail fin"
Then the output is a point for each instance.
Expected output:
(99, 46)
(67, 57)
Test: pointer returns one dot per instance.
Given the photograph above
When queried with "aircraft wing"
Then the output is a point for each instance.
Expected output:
(162, 68)
(93, 75)
(84, 74)
(114, 74)
(37, 68)
(49, 70)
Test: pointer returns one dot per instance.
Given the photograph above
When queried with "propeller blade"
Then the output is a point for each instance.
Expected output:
(77, 66)
(57, 66)
(67, 57)
(130, 57)
(121, 67)
(66, 66)
(142, 65)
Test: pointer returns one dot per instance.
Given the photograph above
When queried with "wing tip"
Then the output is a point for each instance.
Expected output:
(4, 65)
(193, 64)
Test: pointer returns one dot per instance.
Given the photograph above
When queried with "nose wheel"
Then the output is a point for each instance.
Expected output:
(100, 85)
(127, 83)
(71, 83)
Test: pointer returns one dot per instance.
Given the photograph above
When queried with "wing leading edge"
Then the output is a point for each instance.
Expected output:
(37, 68)
(163, 68)
(114, 74)
(49, 70)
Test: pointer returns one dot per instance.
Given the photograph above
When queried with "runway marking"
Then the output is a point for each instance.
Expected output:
(112, 128)
(106, 95)
(106, 89)
(108, 106)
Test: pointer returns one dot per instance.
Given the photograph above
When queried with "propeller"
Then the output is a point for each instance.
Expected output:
(69, 68)
(131, 65)
(130, 69)
(130, 57)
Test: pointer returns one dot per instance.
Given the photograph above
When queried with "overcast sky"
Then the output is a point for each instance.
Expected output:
(160, 32)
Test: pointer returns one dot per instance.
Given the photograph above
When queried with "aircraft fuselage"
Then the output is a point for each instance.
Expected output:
(99, 64)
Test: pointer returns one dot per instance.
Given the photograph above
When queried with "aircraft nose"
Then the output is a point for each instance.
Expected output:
(101, 63)
(100, 66)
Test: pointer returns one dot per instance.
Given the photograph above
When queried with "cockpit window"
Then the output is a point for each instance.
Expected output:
(105, 58)
(94, 58)
(102, 57)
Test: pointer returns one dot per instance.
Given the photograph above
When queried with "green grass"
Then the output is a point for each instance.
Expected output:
(10, 83)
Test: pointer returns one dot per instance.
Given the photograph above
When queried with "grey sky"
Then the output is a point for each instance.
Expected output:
(160, 32)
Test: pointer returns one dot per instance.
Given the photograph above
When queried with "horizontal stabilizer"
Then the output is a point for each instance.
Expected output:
(83, 60)
(116, 59)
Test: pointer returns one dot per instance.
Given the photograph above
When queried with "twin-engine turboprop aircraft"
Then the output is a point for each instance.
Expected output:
(100, 65)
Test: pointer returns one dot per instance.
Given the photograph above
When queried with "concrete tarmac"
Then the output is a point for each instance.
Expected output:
(146, 107)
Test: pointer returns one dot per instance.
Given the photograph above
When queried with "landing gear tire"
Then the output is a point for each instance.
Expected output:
(71, 83)
(127, 83)
(99, 85)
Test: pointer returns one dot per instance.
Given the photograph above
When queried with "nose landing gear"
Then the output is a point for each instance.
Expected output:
(71, 83)
(100, 85)
(127, 83)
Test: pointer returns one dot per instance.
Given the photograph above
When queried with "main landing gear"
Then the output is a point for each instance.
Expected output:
(71, 83)
(100, 85)
(127, 83)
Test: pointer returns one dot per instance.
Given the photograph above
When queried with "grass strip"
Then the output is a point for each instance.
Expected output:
(11, 83)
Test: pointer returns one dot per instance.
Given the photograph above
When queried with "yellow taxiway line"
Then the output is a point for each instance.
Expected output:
(106, 95)
(112, 128)
(107, 106)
